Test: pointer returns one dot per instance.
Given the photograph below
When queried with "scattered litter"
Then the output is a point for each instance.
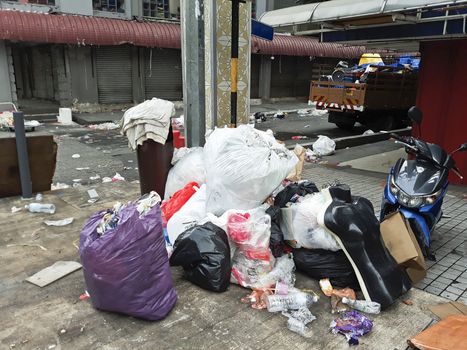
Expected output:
(15, 209)
(311, 157)
(307, 126)
(294, 301)
(27, 245)
(368, 132)
(75, 156)
(280, 115)
(84, 296)
(408, 302)
(135, 182)
(130, 161)
(59, 186)
(319, 113)
(85, 168)
(40, 208)
(62, 331)
(62, 222)
(369, 307)
(53, 346)
(93, 196)
(299, 137)
(326, 286)
(298, 327)
(77, 180)
(53, 273)
(117, 177)
(39, 197)
(303, 112)
(94, 178)
(104, 126)
(127, 168)
(259, 117)
(106, 179)
(105, 151)
(324, 146)
(352, 324)
(77, 184)
(447, 309)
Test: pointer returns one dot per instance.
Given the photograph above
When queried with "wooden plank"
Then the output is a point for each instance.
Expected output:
(54, 272)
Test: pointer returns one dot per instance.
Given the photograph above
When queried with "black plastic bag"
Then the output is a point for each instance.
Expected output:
(301, 189)
(204, 253)
(320, 263)
(276, 241)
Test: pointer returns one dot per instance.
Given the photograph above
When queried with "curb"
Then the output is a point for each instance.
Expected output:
(358, 140)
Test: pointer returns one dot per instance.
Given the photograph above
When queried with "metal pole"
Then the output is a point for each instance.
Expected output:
(213, 63)
(234, 64)
(23, 159)
(192, 23)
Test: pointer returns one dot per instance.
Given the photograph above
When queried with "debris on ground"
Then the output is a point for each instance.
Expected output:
(84, 168)
(62, 222)
(280, 115)
(93, 196)
(59, 186)
(319, 113)
(299, 137)
(324, 146)
(76, 156)
(40, 208)
(353, 325)
(53, 273)
(368, 132)
(15, 209)
(27, 245)
(117, 177)
(303, 112)
(104, 126)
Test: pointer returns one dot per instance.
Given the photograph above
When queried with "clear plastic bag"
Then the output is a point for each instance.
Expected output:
(190, 168)
(243, 167)
(304, 225)
(324, 146)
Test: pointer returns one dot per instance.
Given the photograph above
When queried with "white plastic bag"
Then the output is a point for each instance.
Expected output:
(301, 224)
(190, 168)
(243, 166)
(188, 216)
(324, 146)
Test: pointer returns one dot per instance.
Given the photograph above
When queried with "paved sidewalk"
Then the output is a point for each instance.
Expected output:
(447, 276)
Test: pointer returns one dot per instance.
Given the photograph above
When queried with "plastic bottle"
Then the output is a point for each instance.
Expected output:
(41, 208)
(293, 301)
(303, 315)
(369, 307)
(298, 327)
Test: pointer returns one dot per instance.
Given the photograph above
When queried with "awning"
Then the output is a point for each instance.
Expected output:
(336, 10)
(82, 30)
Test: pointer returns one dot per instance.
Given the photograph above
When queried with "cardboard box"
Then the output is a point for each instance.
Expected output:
(403, 246)
(448, 309)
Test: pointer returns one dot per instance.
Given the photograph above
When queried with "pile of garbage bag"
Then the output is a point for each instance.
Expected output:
(230, 216)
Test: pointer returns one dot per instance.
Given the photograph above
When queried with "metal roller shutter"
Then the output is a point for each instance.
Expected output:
(283, 75)
(114, 74)
(254, 77)
(163, 74)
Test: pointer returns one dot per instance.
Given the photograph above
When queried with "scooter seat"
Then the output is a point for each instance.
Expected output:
(351, 220)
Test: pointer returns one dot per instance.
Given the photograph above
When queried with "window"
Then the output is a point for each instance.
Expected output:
(40, 2)
(109, 5)
(156, 8)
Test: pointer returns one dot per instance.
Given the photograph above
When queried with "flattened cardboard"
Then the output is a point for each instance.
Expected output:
(447, 334)
(448, 309)
(54, 272)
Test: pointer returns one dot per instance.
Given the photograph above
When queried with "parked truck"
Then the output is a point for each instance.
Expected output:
(378, 99)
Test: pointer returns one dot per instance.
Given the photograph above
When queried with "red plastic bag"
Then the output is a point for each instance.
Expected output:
(178, 200)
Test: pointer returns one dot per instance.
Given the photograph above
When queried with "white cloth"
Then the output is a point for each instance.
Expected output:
(148, 120)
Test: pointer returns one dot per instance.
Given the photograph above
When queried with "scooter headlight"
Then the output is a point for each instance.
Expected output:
(393, 188)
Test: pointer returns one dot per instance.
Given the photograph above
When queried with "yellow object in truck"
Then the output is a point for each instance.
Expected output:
(370, 58)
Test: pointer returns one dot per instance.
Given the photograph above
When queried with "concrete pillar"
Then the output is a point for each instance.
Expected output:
(61, 67)
(137, 74)
(5, 87)
(82, 74)
(265, 77)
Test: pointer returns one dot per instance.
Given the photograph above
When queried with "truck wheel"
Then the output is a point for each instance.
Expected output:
(385, 123)
(347, 125)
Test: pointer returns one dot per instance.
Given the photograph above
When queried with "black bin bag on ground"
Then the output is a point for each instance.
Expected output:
(320, 263)
(302, 189)
(276, 241)
(204, 253)
(353, 223)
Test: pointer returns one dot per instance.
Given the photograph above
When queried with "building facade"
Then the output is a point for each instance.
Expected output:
(92, 53)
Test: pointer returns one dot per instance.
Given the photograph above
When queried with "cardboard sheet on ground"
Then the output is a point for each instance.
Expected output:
(403, 246)
(447, 334)
(54, 272)
(449, 309)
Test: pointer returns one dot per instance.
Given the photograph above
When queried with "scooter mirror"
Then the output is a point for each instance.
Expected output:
(415, 114)
(462, 147)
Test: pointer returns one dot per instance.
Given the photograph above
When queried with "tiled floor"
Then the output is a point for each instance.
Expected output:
(447, 276)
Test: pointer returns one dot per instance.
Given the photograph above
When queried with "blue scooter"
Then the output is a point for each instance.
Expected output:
(416, 187)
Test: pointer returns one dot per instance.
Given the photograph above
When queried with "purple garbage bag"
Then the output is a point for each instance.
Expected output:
(127, 269)
(352, 324)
